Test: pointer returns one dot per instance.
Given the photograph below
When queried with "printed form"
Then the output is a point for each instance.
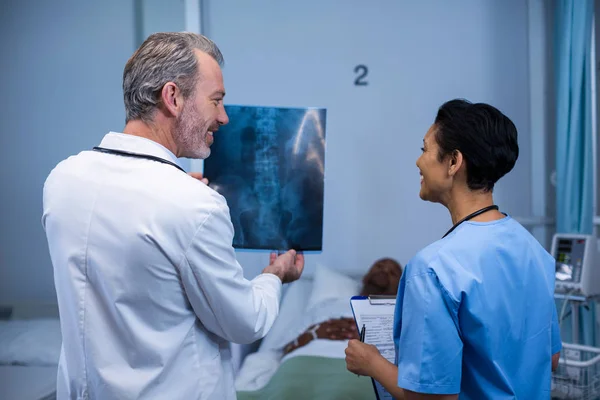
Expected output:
(377, 315)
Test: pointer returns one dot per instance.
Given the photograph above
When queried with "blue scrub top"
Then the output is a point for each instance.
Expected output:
(475, 314)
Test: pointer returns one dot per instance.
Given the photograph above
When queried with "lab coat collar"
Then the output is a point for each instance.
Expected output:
(137, 144)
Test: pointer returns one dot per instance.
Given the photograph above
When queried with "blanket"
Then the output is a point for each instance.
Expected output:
(312, 377)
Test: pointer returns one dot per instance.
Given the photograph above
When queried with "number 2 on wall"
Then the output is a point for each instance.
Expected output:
(362, 72)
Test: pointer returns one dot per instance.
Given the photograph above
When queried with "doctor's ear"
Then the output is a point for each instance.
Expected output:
(171, 99)
(455, 162)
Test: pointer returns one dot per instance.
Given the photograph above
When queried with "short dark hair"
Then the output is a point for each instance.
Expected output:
(386, 261)
(486, 138)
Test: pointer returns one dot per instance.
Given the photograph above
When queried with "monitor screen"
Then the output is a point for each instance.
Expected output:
(569, 259)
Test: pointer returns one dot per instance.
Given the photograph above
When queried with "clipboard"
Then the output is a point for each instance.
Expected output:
(376, 313)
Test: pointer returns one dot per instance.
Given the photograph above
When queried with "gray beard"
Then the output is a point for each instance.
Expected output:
(191, 144)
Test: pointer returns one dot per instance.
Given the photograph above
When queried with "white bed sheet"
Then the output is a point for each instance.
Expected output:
(29, 353)
(290, 321)
(31, 342)
(27, 383)
(258, 368)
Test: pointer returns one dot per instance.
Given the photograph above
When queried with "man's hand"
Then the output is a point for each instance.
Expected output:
(198, 175)
(361, 357)
(338, 329)
(288, 266)
(333, 329)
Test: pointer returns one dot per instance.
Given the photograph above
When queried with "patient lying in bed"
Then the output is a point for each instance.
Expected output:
(303, 354)
(382, 279)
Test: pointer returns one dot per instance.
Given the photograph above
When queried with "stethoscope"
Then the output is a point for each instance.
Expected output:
(471, 216)
(137, 155)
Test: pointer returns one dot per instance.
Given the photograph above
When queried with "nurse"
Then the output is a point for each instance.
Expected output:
(475, 315)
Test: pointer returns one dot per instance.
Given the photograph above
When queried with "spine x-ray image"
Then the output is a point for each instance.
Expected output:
(269, 165)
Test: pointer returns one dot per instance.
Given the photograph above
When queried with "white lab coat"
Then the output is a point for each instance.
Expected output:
(149, 289)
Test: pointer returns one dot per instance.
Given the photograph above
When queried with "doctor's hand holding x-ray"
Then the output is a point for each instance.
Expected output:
(287, 266)
(475, 316)
(149, 290)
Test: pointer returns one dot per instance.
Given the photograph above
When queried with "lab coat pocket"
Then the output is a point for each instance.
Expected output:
(210, 370)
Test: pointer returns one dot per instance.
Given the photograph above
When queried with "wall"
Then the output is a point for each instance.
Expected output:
(419, 54)
(63, 92)
(61, 67)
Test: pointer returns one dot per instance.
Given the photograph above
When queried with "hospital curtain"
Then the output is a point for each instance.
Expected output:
(574, 185)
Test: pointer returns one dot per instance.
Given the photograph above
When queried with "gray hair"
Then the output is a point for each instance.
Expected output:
(163, 57)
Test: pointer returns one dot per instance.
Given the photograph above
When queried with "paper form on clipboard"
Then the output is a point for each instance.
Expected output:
(376, 313)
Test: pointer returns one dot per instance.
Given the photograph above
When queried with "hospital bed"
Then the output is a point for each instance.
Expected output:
(30, 344)
(317, 370)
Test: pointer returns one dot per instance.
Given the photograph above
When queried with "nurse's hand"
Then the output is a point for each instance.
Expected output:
(361, 357)
(287, 266)
(199, 176)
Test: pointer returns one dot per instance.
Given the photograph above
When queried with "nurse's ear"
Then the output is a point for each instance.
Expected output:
(455, 162)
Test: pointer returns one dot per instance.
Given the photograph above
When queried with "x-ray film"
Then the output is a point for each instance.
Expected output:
(269, 165)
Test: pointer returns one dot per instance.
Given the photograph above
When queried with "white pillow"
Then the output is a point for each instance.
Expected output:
(34, 342)
(329, 284)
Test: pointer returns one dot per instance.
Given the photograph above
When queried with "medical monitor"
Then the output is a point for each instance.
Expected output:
(575, 264)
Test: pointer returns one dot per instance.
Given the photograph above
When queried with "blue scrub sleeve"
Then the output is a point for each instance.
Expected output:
(430, 347)
(556, 340)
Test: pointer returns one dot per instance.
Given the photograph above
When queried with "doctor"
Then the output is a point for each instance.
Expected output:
(149, 290)
(475, 315)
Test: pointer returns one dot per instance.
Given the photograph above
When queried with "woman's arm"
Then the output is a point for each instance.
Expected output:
(365, 359)
(420, 396)
(386, 373)
(555, 359)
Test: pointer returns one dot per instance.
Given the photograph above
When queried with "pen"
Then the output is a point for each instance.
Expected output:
(362, 337)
